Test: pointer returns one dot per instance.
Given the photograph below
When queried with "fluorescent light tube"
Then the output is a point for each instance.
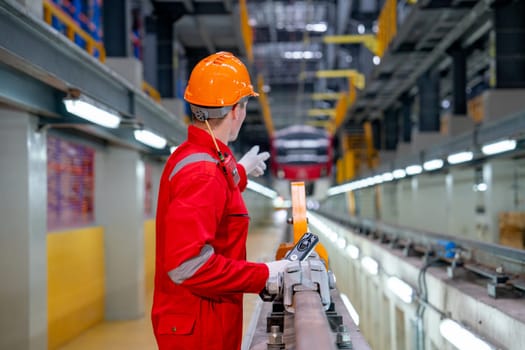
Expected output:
(322, 227)
(481, 187)
(352, 251)
(150, 138)
(341, 243)
(413, 169)
(340, 189)
(460, 337)
(498, 147)
(370, 265)
(460, 157)
(316, 27)
(265, 191)
(387, 177)
(93, 113)
(399, 174)
(378, 179)
(433, 164)
(401, 289)
(351, 310)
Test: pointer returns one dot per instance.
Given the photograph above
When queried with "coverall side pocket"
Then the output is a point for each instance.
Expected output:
(176, 324)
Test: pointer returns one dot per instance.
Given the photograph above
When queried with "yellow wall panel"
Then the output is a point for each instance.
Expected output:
(149, 254)
(75, 268)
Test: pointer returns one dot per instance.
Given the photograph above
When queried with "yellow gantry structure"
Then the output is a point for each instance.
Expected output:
(72, 28)
(358, 79)
(246, 30)
(326, 95)
(369, 40)
(265, 106)
(387, 30)
(321, 112)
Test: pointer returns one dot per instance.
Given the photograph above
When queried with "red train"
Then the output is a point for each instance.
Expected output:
(301, 153)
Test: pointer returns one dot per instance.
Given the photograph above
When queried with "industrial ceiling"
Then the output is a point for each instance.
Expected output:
(288, 50)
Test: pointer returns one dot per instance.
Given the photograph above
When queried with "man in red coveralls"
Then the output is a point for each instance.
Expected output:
(202, 221)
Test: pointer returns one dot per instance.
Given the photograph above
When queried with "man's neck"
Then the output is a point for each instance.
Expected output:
(219, 132)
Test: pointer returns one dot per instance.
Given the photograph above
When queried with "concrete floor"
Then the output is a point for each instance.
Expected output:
(138, 334)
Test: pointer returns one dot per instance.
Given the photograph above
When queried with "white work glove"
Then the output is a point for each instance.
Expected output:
(277, 267)
(253, 162)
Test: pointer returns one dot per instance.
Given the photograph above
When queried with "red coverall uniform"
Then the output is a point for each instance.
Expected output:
(201, 230)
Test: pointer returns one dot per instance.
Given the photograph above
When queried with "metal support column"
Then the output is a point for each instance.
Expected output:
(119, 208)
(376, 134)
(165, 56)
(391, 129)
(510, 44)
(406, 118)
(459, 81)
(23, 252)
(117, 28)
(428, 85)
(150, 56)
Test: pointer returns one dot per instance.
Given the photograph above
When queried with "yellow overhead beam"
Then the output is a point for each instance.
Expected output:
(322, 123)
(319, 112)
(358, 79)
(387, 26)
(340, 110)
(265, 106)
(326, 95)
(246, 29)
(369, 40)
(387, 30)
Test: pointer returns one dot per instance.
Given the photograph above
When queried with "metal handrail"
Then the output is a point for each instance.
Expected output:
(425, 238)
(72, 29)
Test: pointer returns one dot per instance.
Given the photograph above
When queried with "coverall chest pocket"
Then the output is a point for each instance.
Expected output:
(231, 238)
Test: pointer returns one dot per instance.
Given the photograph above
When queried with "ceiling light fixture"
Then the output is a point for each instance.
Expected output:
(460, 157)
(399, 174)
(317, 27)
(413, 169)
(499, 147)
(481, 187)
(265, 191)
(149, 138)
(299, 55)
(332, 191)
(322, 227)
(433, 164)
(92, 111)
(460, 337)
(387, 177)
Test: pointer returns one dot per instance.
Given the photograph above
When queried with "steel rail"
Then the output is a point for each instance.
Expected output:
(312, 331)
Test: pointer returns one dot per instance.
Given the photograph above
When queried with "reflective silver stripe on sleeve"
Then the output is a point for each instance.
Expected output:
(189, 267)
(193, 158)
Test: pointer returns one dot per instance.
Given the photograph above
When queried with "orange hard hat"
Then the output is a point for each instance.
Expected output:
(219, 80)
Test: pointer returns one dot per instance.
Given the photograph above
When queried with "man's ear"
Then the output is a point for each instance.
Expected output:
(235, 111)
